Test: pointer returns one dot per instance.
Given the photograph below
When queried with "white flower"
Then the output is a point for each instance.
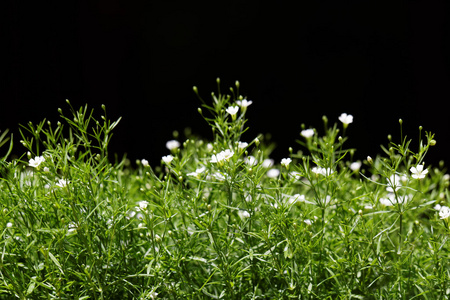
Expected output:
(418, 172)
(296, 175)
(307, 133)
(393, 183)
(267, 163)
(167, 159)
(323, 171)
(242, 145)
(209, 147)
(153, 295)
(222, 156)
(437, 207)
(273, 173)
(197, 172)
(9, 224)
(243, 214)
(46, 169)
(72, 227)
(392, 200)
(232, 110)
(355, 166)
(251, 161)
(144, 162)
(308, 222)
(172, 145)
(62, 183)
(36, 161)
(142, 205)
(444, 212)
(285, 162)
(244, 103)
(346, 119)
(297, 197)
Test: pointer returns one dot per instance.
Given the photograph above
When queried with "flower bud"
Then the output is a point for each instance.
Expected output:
(369, 160)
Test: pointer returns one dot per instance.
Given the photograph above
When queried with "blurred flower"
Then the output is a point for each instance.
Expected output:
(142, 205)
(36, 161)
(144, 162)
(62, 183)
(251, 161)
(346, 119)
(307, 133)
(418, 172)
(197, 172)
(9, 224)
(242, 145)
(46, 169)
(243, 214)
(267, 163)
(393, 183)
(232, 110)
(273, 173)
(285, 162)
(172, 145)
(322, 171)
(444, 212)
(308, 222)
(167, 159)
(355, 166)
(244, 103)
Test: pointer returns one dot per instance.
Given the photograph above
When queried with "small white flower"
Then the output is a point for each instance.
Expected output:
(307, 133)
(217, 158)
(36, 161)
(285, 162)
(267, 163)
(9, 224)
(437, 207)
(355, 166)
(232, 110)
(244, 103)
(72, 227)
(243, 214)
(46, 169)
(444, 212)
(144, 162)
(273, 173)
(393, 183)
(418, 172)
(209, 147)
(153, 295)
(322, 171)
(142, 205)
(172, 145)
(242, 145)
(167, 159)
(197, 172)
(62, 183)
(251, 161)
(308, 222)
(346, 119)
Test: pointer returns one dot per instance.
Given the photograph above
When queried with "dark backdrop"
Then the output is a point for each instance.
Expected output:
(379, 62)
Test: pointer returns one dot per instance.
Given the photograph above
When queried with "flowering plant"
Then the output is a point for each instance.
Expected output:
(222, 218)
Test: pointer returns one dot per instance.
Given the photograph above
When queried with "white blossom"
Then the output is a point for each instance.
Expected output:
(355, 166)
(418, 172)
(242, 145)
(307, 133)
(172, 145)
(444, 212)
(273, 173)
(62, 183)
(285, 162)
(36, 161)
(144, 162)
(167, 159)
(346, 119)
(244, 103)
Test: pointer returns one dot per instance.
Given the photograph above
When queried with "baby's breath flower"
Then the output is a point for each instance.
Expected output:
(418, 172)
(243, 214)
(209, 147)
(393, 183)
(167, 159)
(242, 145)
(307, 133)
(285, 162)
(142, 205)
(197, 172)
(46, 169)
(355, 166)
(9, 224)
(251, 161)
(144, 162)
(346, 119)
(35, 162)
(267, 163)
(62, 183)
(244, 103)
(273, 173)
(322, 171)
(444, 212)
(308, 222)
(232, 110)
(172, 145)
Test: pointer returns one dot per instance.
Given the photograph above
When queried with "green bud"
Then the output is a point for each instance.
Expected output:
(433, 142)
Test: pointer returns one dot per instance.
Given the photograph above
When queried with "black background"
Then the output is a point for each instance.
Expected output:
(379, 62)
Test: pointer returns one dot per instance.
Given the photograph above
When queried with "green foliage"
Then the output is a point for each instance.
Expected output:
(219, 219)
